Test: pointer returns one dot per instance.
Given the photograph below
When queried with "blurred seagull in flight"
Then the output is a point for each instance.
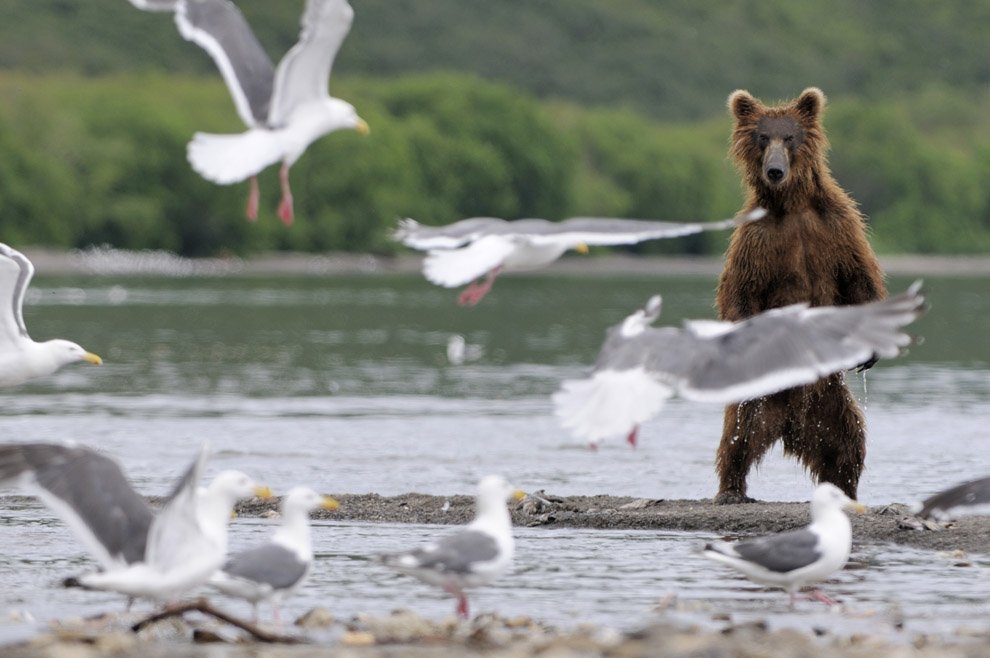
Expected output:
(142, 554)
(285, 109)
(639, 367)
(463, 252)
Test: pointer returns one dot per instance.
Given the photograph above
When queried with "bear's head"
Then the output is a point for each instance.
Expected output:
(778, 148)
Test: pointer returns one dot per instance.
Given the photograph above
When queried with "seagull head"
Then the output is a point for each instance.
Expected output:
(64, 352)
(494, 491)
(643, 317)
(230, 486)
(828, 497)
(305, 500)
(342, 115)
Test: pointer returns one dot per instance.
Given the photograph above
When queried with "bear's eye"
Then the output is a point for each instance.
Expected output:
(762, 140)
(788, 139)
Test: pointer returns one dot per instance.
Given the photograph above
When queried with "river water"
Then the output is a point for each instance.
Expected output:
(342, 383)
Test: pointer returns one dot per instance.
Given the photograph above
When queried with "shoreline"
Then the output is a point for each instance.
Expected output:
(106, 262)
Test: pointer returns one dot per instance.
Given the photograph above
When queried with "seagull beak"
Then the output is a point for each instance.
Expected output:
(582, 248)
(329, 503)
(856, 506)
(362, 127)
(89, 357)
(263, 492)
(518, 495)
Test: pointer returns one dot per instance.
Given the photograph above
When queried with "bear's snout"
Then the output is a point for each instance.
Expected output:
(775, 164)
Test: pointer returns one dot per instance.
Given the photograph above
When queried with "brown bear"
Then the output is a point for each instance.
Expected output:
(811, 247)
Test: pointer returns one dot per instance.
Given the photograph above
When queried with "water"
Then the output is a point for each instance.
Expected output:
(342, 384)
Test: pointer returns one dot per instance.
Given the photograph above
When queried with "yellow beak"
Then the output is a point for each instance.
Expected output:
(582, 248)
(263, 492)
(518, 494)
(856, 506)
(329, 503)
(362, 127)
(89, 357)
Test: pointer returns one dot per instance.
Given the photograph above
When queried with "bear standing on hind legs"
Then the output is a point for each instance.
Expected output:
(811, 247)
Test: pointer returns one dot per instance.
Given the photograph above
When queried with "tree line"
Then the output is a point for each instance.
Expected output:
(101, 160)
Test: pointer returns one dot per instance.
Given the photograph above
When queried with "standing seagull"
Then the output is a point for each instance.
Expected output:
(285, 110)
(797, 558)
(473, 556)
(142, 554)
(275, 569)
(21, 358)
(640, 366)
(464, 251)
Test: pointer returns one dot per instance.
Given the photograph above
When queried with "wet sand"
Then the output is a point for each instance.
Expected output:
(406, 634)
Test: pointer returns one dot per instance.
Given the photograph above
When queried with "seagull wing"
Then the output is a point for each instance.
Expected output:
(780, 553)
(455, 267)
(974, 494)
(156, 5)
(15, 275)
(269, 564)
(413, 234)
(219, 28)
(790, 346)
(458, 553)
(304, 72)
(88, 492)
(608, 231)
(176, 538)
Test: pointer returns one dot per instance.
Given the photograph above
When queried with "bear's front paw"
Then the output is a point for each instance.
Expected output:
(732, 498)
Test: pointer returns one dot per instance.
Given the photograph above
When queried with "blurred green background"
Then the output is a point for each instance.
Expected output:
(512, 108)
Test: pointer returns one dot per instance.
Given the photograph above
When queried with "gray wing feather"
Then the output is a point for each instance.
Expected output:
(270, 564)
(175, 535)
(967, 494)
(781, 553)
(413, 234)
(457, 553)
(304, 72)
(92, 486)
(780, 348)
(220, 28)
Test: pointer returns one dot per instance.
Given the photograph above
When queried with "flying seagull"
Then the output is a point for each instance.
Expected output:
(796, 558)
(275, 569)
(463, 252)
(285, 109)
(639, 367)
(21, 358)
(473, 556)
(971, 497)
(142, 554)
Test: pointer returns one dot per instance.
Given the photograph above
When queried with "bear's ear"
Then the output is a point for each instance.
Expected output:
(810, 103)
(742, 104)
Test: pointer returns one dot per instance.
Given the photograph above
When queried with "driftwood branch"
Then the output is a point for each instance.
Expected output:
(203, 606)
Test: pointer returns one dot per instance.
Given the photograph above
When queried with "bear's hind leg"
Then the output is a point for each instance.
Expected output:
(833, 447)
(748, 431)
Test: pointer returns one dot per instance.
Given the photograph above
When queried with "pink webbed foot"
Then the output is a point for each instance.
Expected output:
(818, 595)
(475, 292)
(633, 438)
(254, 196)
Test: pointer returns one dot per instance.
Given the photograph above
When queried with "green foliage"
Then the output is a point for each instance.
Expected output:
(102, 160)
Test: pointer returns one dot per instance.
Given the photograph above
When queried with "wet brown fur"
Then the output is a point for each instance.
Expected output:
(811, 247)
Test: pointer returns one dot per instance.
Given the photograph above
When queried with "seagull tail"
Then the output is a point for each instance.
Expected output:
(610, 403)
(228, 159)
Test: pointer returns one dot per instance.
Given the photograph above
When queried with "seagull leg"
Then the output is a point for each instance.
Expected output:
(254, 196)
(633, 436)
(818, 595)
(475, 292)
(285, 211)
(462, 602)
